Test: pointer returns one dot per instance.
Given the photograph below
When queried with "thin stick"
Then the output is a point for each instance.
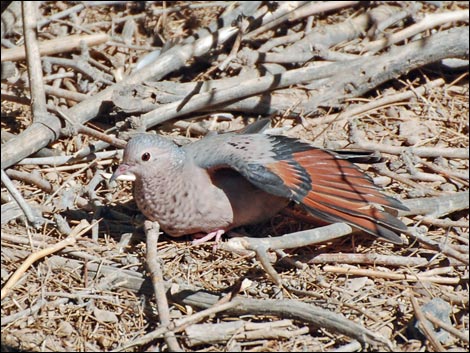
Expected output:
(56, 46)
(25, 207)
(74, 125)
(430, 335)
(80, 229)
(181, 324)
(430, 21)
(33, 60)
(357, 110)
(152, 230)
(449, 328)
(396, 276)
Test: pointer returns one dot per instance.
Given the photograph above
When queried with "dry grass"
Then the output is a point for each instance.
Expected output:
(68, 302)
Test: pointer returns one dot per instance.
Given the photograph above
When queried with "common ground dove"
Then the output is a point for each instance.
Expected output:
(224, 181)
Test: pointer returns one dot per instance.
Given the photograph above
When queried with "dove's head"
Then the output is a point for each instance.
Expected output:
(146, 153)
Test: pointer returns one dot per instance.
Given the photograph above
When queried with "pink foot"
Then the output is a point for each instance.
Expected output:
(209, 236)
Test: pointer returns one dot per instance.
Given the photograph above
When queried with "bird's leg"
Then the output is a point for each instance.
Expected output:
(216, 234)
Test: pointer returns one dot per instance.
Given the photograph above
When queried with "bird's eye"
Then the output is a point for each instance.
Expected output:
(146, 156)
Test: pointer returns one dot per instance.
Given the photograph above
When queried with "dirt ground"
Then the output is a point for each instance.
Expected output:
(391, 78)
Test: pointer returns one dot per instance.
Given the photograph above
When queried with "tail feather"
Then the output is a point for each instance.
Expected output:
(372, 212)
(362, 224)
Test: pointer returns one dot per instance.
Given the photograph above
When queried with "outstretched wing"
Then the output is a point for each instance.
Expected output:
(327, 183)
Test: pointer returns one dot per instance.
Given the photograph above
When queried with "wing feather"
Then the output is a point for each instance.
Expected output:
(325, 182)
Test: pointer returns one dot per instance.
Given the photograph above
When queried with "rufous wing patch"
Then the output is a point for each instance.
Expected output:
(337, 191)
(292, 175)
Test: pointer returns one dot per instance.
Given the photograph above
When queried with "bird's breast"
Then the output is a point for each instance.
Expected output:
(183, 204)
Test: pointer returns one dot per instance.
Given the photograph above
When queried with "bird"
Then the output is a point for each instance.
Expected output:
(224, 181)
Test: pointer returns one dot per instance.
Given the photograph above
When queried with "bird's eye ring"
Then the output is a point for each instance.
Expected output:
(146, 156)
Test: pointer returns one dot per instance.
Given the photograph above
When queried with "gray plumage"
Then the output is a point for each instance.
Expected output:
(225, 181)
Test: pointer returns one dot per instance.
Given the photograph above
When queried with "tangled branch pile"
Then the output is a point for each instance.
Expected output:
(79, 79)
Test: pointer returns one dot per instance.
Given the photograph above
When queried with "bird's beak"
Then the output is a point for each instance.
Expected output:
(121, 170)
